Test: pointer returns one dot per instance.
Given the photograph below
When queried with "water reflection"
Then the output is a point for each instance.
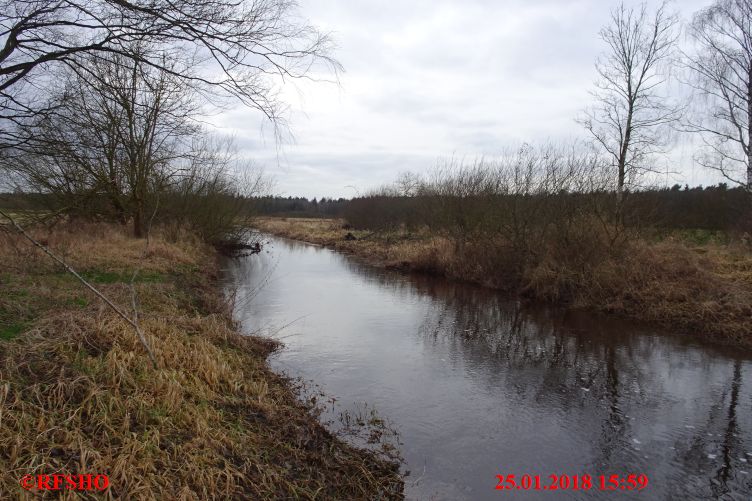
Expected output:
(480, 384)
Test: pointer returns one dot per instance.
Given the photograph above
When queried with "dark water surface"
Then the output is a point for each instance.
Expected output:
(479, 386)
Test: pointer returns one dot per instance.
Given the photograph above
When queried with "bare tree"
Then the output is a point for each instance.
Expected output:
(629, 117)
(118, 133)
(214, 194)
(244, 47)
(722, 71)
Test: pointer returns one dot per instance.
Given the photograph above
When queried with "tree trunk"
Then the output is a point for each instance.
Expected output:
(121, 213)
(749, 139)
(139, 230)
(623, 152)
(749, 131)
(620, 187)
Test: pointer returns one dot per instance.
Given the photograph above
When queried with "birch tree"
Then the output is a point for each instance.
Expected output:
(630, 113)
(721, 70)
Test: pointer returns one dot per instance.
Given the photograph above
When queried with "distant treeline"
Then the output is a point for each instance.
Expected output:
(711, 208)
(715, 207)
(266, 205)
(300, 206)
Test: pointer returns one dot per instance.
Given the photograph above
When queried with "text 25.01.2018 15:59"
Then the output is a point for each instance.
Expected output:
(614, 482)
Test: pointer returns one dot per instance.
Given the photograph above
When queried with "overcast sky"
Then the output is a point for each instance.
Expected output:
(427, 79)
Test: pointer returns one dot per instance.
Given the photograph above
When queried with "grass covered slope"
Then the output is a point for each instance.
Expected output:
(701, 288)
(79, 395)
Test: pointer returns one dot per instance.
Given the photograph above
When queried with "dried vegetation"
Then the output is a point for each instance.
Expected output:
(78, 394)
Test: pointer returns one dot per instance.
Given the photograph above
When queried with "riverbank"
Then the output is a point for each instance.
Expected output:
(78, 393)
(703, 290)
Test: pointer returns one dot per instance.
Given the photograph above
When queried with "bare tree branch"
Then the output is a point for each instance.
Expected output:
(244, 49)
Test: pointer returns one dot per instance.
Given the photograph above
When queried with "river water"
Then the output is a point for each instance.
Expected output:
(480, 386)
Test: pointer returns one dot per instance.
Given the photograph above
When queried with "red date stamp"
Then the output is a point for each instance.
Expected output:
(585, 482)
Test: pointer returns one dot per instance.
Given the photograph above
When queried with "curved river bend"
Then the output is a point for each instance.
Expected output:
(479, 386)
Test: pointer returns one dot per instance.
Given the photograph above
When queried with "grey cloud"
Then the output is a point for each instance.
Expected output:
(428, 79)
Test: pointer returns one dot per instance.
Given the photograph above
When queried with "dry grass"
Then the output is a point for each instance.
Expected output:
(396, 249)
(703, 290)
(78, 394)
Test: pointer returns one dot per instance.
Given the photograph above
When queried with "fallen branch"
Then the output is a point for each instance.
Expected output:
(73, 272)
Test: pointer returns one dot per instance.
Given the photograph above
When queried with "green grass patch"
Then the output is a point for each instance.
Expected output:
(102, 277)
(16, 293)
(111, 277)
(79, 301)
(11, 331)
(696, 236)
(703, 237)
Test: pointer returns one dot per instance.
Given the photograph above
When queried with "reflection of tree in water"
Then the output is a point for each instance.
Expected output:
(560, 368)
(603, 371)
(614, 425)
(488, 330)
(731, 441)
(718, 468)
(485, 326)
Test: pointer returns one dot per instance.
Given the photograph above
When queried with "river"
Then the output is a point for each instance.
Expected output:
(479, 385)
